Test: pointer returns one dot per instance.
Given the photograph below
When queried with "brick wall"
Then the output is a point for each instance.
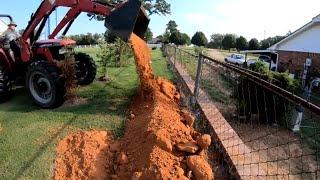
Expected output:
(293, 61)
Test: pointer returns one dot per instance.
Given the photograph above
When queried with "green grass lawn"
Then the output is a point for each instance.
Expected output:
(28, 135)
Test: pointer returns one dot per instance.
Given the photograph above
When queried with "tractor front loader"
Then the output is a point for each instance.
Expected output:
(35, 59)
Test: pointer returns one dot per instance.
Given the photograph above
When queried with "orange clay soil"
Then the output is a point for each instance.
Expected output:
(148, 150)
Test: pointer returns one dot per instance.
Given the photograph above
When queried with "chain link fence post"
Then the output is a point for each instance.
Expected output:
(198, 79)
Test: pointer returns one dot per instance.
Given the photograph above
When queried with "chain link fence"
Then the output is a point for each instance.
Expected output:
(262, 130)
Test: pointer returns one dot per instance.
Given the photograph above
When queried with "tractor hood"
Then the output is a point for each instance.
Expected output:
(55, 42)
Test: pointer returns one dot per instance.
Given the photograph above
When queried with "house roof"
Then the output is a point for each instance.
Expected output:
(313, 22)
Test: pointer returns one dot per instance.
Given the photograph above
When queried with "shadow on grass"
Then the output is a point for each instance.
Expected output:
(42, 149)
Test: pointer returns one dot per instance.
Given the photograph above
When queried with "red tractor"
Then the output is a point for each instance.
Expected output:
(34, 58)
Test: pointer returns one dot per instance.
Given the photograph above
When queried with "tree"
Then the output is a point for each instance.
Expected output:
(176, 38)
(241, 43)
(86, 39)
(161, 7)
(149, 35)
(254, 44)
(199, 39)
(216, 41)
(171, 27)
(109, 37)
(185, 39)
(229, 41)
(266, 43)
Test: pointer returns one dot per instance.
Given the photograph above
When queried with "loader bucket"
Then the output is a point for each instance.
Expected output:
(129, 18)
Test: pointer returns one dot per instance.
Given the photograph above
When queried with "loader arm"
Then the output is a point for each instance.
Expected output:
(76, 7)
(124, 19)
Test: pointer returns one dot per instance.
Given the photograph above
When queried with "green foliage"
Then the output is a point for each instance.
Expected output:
(254, 44)
(179, 38)
(176, 38)
(266, 43)
(215, 41)
(200, 50)
(185, 39)
(229, 41)
(109, 37)
(87, 39)
(255, 99)
(199, 39)
(113, 55)
(259, 67)
(160, 7)
(241, 43)
(149, 35)
(282, 80)
(171, 27)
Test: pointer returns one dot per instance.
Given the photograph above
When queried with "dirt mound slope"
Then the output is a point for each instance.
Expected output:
(84, 155)
(158, 139)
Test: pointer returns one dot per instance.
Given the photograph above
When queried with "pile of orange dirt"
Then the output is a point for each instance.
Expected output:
(159, 141)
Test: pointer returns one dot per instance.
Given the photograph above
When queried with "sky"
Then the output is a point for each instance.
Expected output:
(249, 18)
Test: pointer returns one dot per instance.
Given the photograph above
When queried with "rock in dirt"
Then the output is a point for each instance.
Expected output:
(167, 88)
(200, 168)
(190, 147)
(187, 118)
(122, 158)
(132, 116)
(204, 141)
(164, 143)
(136, 175)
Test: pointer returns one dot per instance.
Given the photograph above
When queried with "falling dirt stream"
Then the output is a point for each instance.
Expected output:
(159, 141)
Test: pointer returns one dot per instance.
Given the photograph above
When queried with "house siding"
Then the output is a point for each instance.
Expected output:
(294, 62)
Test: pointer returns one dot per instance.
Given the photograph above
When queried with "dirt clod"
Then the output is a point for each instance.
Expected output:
(136, 175)
(187, 118)
(122, 158)
(189, 147)
(164, 143)
(204, 141)
(200, 168)
(132, 116)
(115, 147)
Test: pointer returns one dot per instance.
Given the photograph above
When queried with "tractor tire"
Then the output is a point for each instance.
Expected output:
(45, 84)
(86, 69)
(6, 85)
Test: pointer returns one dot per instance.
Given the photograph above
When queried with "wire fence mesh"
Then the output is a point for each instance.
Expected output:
(264, 131)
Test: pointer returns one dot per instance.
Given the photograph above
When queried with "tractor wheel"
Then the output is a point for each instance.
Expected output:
(6, 84)
(86, 69)
(45, 84)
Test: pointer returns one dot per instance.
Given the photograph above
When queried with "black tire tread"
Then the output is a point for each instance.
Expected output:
(5, 85)
(55, 75)
(92, 67)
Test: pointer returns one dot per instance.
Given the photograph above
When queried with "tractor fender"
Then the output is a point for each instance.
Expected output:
(5, 60)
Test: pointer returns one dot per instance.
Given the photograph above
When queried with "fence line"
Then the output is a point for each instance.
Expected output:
(262, 130)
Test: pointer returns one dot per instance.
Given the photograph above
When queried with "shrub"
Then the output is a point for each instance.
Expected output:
(255, 99)
(116, 54)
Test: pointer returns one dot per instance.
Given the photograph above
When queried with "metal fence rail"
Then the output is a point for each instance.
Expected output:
(264, 131)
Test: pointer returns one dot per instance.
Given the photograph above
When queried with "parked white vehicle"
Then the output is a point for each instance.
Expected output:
(235, 59)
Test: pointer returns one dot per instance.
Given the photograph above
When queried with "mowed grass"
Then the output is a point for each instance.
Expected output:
(29, 135)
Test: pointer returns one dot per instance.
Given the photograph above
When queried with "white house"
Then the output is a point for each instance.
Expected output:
(3, 26)
(301, 45)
